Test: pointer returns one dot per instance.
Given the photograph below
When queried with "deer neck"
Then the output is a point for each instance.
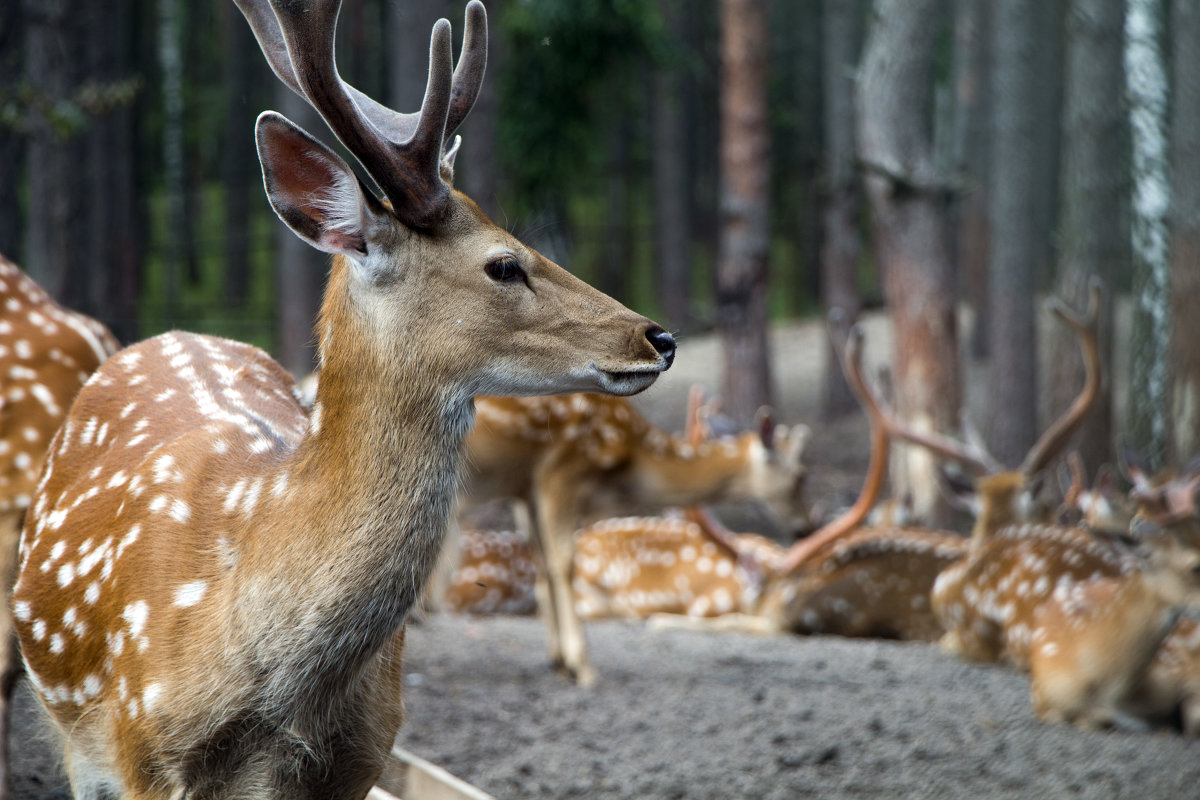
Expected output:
(369, 493)
(678, 473)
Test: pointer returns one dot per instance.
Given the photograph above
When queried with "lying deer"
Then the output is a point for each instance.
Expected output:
(1099, 652)
(576, 459)
(213, 582)
(986, 601)
(845, 578)
(46, 354)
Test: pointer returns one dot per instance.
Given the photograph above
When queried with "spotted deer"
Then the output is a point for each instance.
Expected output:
(46, 354)
(1016, 559)
(576, 459)
(1116, 649)
(845, 578)
(213, 582)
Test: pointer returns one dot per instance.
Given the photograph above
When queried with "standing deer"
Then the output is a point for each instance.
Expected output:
(214, 583)
(573, 460)
(1114, 650)
(46, 354)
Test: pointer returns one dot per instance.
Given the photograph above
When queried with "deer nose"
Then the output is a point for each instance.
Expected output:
(662, 342)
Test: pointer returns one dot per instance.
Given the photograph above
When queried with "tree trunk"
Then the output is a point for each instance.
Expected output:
(1146, 90)
(57, 232)
(745, 213)
(909, 200)
(842, 244)
(239, 169)
(1185, 230)
(616, 249)
(175, 253)
(1012, 374)
(672, 220)
(1093, 233)
(972, 156)
(12, 139)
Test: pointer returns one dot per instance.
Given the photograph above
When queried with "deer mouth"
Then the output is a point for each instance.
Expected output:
(627, 382)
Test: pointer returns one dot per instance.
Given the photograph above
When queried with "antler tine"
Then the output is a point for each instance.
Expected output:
(694, 431)
(468, 75)
(851, 358)
(402, 152)
(973, 458)
(1058, 434)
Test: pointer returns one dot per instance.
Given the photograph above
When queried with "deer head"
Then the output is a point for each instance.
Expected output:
(426, 271)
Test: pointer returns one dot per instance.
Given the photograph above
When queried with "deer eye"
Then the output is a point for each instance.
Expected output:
(504, 270)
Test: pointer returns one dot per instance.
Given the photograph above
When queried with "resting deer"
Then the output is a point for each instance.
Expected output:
(214, 583)
(46, 354)
(845, 579)
(986, 601)
(1100, 652)
(572, 460)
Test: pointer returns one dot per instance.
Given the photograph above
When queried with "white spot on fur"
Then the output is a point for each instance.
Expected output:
(189, 594)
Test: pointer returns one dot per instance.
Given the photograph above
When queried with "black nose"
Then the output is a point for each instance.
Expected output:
(662, 342)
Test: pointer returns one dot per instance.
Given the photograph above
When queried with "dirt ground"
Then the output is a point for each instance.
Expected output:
(689, 715)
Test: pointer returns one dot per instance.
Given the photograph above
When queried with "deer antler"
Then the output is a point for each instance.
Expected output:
(851, 358)
(403, 153)
(1057, 435)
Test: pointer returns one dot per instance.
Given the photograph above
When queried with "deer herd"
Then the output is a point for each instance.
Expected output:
(209, 570)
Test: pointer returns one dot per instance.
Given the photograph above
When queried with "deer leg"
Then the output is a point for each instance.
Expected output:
(546, 606)
(557, 517)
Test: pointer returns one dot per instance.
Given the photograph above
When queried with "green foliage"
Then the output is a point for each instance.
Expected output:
(564, 58)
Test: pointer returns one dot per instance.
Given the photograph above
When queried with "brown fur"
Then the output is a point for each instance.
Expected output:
(46, 354)
(246, 641)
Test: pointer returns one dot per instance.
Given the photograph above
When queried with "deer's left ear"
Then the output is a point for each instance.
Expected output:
(312, 190)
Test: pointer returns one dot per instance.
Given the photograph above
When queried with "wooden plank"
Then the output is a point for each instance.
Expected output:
(411, 777)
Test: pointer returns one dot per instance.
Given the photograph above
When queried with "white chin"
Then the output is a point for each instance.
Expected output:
(624, 383)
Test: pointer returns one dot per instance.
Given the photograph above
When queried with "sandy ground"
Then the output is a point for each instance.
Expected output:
(688, 715)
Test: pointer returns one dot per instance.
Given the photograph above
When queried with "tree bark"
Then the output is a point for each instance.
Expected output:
(1185, 230)
(842, 245)
(1093, 232)
(745, 213)
(1012, 374)
(672, 218)
(909, 201)
(972, 156)
(12, 138)
(1146, 92)
(239, 169)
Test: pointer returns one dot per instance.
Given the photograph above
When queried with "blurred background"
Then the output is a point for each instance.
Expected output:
(719, 165)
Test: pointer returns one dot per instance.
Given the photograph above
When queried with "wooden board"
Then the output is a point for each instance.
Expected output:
(409, 777)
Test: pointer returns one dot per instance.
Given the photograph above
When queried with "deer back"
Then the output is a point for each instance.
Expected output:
(986, 602)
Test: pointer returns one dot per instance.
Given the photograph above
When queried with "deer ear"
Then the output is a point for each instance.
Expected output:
(311, 189)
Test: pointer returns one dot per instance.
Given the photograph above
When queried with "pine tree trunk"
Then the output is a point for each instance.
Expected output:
(972, 156)
(1093, 231)
(239, 169)
(12, 139)
(1012, 375)
(842, 245)
(745, 214)
(1146, 91)
(672, 219)
(1185, 230)
(909, 199)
